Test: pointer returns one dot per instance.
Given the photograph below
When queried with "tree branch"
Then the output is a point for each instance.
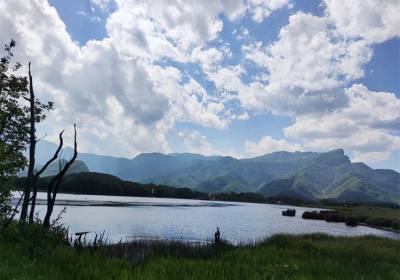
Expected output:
(55, 156)
(53, 186)
(37, 175)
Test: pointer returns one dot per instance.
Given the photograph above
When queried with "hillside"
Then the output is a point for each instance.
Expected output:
(105, 184)
(332, 175)
(304, 175)
(77, 166)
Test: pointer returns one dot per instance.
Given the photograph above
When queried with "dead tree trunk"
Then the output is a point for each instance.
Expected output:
(29, 185)
(37, 175)
(54, 184)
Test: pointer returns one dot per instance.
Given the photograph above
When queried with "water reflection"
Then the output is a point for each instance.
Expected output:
(190, 220)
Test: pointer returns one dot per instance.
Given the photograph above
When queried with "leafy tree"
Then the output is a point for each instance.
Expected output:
(16, 128)
(13, 120)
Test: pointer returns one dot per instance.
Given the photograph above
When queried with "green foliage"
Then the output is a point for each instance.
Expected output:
(14, 122)
(372, 215)
(13, 119)
(353, 215)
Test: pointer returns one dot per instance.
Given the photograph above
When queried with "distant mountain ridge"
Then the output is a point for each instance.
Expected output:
(77, 166)
(306, 175)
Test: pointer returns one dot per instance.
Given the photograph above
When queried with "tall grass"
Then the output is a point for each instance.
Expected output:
(313, 256)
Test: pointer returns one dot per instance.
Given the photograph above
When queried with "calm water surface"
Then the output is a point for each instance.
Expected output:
(192, 220)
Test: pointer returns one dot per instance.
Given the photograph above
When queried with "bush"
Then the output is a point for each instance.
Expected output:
(351, 221)
(334, 217)
(313, 215)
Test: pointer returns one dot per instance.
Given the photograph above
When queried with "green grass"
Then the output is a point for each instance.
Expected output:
(280, 257)
(372, 215)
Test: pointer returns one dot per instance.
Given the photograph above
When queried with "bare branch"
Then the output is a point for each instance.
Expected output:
(8, 222)
(37, 175)
(54, 184)
(55, 156)
(41, 138)
(29, 185)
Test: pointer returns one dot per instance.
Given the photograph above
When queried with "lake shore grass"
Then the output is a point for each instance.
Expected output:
(380, 217)
(45, 255)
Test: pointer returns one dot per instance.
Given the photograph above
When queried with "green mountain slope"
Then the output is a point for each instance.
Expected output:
(332, 175)
(307, 175)
(77, 166)
(222, 184)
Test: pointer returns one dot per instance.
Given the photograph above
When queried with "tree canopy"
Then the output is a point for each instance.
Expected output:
(14, 121)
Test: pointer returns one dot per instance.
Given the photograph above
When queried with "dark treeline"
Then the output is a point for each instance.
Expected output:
(93, 183)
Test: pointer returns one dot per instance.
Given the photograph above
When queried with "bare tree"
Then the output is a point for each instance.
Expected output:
(55, 182)
(37, 175)
(29, 185)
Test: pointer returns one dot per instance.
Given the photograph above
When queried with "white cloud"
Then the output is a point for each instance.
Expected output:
(243, 117)
(310, 55)
(261, 9)
(242, 34)
(168, 28)
(195, 142)
(368, 125)
(123, 103)
(102, 4)
(306, 68)
(267, 144)
(126, 96)
(371, 157)
(190, 102)
(373, 20)
(208, 58)
(91, 18)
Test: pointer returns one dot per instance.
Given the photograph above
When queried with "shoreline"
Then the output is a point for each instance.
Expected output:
(212, 203)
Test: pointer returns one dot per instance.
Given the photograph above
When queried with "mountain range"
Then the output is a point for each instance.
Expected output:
(305, 175)
(77, 166)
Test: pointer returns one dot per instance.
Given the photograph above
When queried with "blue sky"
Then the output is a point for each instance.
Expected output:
(240, 78)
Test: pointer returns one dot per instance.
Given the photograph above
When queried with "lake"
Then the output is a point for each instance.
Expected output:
(129, 218)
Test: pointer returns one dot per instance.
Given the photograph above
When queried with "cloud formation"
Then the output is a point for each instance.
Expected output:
(367, 126)
(373, 20)
(269, 145)
(307, 65)
(165, 62)
(195, 142)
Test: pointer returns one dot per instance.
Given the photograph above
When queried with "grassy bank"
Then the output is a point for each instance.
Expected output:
(375, 216)
(378, 216)
(44, 256)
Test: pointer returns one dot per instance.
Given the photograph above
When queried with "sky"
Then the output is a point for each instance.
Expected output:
(229, 77)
